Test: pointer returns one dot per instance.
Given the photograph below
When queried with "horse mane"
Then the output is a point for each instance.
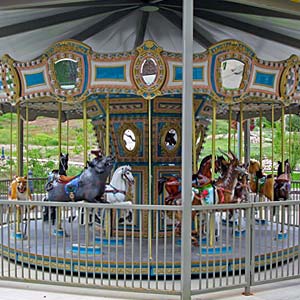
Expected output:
(203, 162)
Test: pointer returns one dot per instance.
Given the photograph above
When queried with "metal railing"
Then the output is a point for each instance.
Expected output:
(91, 245)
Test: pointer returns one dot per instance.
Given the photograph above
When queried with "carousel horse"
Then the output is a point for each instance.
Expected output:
(203, 192)
(282, 183)
(89, 185)
(117, 190)
(260, 183)
(263, 184)
(50, 212)
(226, 183)
(19, 190)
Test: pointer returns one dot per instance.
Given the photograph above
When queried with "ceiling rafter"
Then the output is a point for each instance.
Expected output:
(91, 3)
(244, 9)
(52, 20)
(141, 30)
(101, 25)
(249, 28)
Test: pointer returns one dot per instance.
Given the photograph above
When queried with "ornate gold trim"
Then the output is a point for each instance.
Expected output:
(7, 66)
(292, 63)
(149, 49)
(137, 134)
(164, 131)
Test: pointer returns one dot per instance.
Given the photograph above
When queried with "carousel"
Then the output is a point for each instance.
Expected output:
(134, 101)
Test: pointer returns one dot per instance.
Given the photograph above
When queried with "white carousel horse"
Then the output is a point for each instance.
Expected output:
(119, 188)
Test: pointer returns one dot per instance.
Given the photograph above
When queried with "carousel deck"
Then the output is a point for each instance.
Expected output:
(140, 257)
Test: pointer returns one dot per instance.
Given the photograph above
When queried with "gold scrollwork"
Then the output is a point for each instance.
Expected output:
(149, 51)
(11, 82)
(293, 63)
(170, 139)
(130, 138)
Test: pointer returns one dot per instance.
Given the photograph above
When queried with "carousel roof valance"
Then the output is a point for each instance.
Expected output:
(70, 71)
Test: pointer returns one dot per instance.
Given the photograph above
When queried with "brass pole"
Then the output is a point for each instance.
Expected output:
(27, 147)
(68, 136)
(260, 138)
(107, 121)
(213, 152)
(59, 226)
(59, 129)
(229, 126)
(290, 134)
(241, 144)
(10, 147)
(84, 133)
(282, 137)
(150, 173)
(18, 139)
(194, 143)
(272, 121)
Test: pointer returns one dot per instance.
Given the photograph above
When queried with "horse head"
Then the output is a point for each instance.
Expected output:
(63, 164)
(254, 166)
(102, 165)
(127, 175)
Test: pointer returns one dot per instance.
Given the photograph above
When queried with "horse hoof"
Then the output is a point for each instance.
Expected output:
(71, 219)
(129, 217)
(121, 220)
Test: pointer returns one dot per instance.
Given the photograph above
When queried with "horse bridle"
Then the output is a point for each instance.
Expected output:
(125, 177)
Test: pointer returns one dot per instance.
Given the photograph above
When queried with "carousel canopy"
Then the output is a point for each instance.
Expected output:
(28, 27)
(243, 50)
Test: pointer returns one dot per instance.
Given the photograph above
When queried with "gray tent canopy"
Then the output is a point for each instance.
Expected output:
(28, 27)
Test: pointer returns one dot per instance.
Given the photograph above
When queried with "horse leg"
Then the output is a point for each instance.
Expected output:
(128, 216)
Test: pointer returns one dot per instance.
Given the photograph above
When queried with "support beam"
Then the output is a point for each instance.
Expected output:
(174, 18)
(250, 28)
(102, 25)
(141, 29)
(53, 20)
(187, 111)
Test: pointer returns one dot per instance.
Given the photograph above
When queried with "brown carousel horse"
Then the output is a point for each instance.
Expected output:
(226, 184)
(262, 184)
(201, 182)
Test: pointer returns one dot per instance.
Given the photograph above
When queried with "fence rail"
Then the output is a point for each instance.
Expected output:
(91, 245)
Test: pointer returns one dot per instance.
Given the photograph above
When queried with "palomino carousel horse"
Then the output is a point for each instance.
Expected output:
(263, 184)
(117, 190)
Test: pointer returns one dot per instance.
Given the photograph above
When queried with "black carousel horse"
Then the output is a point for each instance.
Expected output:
(50, 212)
(282, 184)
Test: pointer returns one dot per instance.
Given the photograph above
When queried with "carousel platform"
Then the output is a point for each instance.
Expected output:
(140, 257)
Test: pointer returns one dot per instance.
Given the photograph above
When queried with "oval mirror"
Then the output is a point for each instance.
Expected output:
(66, 73)
(129, 139)
(171, 139)
(149, 71)
(232, 73)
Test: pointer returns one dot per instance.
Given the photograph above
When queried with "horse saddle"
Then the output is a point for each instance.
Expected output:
(65, 179)
(282, 178)
(72, 186)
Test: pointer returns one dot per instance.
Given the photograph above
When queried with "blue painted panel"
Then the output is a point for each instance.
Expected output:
(264, 79)
(34, 79)
(110, 73)
(197, 73)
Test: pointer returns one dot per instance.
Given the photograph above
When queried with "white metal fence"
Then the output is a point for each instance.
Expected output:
(238, 245)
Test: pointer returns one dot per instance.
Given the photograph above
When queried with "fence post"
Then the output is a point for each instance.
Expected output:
(249, 250)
